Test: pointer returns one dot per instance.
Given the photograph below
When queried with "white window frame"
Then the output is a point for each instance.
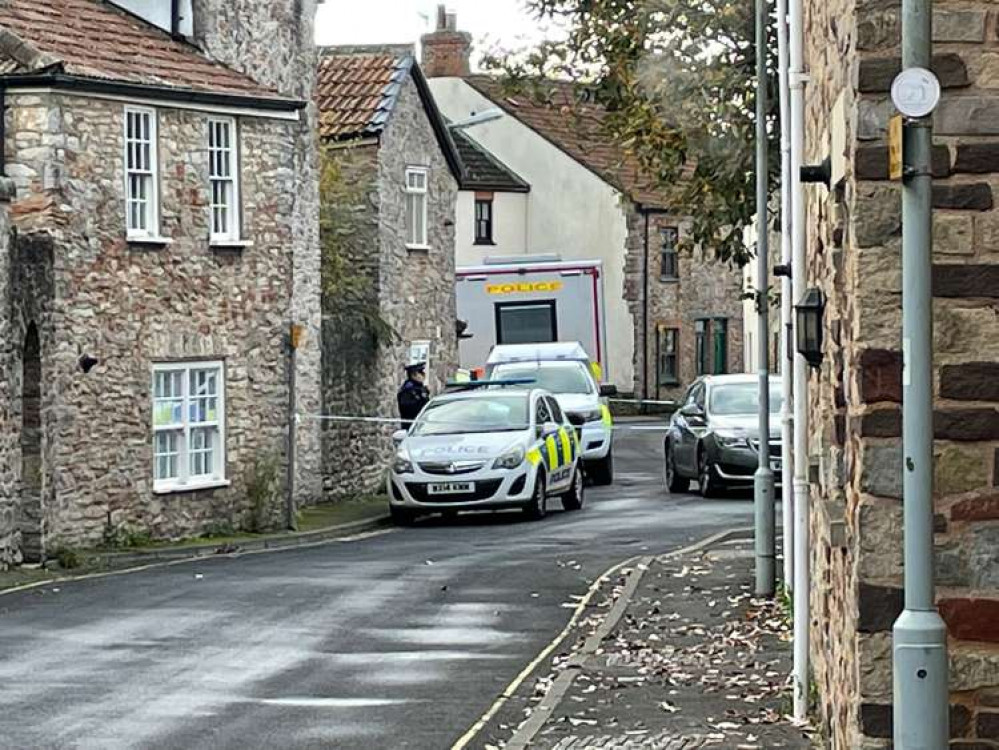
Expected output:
(232, 234)
(417, 242)
(152, 211)
(184, 481)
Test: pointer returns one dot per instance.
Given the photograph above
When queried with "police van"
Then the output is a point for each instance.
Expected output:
(486, 448)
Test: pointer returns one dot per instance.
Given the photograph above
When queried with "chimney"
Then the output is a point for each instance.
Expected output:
(446, 51)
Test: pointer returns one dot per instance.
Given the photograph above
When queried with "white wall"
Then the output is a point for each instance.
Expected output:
(509, 227)
(570, 211)
(159, 13)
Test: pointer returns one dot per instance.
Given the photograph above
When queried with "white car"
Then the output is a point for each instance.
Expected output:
(486, 448)
(577, 392)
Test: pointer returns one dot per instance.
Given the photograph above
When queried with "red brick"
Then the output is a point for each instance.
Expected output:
(880, 376)
(976, 509)
(972, 619)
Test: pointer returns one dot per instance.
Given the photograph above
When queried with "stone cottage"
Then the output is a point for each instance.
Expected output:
(852, 54)
(390, 180)
(676, 315)
(157, 241)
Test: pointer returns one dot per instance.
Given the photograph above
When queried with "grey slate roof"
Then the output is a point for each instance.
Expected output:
(482, 170)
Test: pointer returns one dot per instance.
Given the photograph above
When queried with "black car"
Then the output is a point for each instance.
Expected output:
(713, 437)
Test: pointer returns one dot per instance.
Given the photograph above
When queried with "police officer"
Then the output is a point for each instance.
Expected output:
(413, 395)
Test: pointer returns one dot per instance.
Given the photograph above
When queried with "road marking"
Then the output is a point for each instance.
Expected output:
(309, 702)
(198, 559)
(526, 672)
(508, 693)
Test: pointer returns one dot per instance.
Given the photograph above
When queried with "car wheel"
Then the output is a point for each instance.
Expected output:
(573, 499)
(674, 482)
(602, 471)
(706, 482)
(538, 507)
(402, 516)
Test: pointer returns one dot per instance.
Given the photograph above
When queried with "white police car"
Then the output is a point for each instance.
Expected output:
(486, 448)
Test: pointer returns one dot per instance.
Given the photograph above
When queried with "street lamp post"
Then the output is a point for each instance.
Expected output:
(763, 481)
(919, 646)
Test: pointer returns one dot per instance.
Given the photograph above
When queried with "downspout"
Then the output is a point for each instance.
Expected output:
(645, 311)
(175, 19)
(786, 423)
(3, 131)
(802, 589)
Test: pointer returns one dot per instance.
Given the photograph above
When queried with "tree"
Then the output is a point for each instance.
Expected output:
(677, 81)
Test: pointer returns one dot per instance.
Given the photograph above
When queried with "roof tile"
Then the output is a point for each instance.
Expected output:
(95, 39)
(355, 91)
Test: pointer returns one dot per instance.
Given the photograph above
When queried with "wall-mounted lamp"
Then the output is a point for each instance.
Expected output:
(818, 172)
(808, 325)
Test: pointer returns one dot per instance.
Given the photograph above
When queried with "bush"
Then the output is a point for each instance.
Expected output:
(263, 489)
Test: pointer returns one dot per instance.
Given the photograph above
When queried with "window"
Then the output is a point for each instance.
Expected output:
(223, 172)
(526, 323)
(670, 261)
(416, 207)
(188, 420)
(556, 411)
(484, 219)
(141, 190)
(669, 371)
(542, 415)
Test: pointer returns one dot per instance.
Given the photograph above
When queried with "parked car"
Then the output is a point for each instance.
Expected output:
(486, 448)
(581, 398)
(714, 438)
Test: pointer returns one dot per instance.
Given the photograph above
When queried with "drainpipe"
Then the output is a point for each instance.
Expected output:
(786, 423)
(802, 616)
(645, 312)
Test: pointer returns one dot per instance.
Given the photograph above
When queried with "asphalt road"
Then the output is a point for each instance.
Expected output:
(396, 640)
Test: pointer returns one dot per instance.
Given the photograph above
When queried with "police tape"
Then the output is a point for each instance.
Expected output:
(397, 422)
(654, 402)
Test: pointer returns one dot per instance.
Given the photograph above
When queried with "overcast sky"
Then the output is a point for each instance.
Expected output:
(393, 21)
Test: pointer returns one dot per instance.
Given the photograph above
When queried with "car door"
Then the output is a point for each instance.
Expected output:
(688, 428)
(566, 445)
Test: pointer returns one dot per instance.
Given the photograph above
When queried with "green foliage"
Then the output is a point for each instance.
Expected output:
(122, 536)
(677, 80)
(350, 297)
(67, 558)
(263, 489)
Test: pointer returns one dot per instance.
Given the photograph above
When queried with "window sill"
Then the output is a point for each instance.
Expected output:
(669, 383)
(146, 239)
(489, 243)
(229, 244)
(418, 248)
(669, 279)
(175, 489)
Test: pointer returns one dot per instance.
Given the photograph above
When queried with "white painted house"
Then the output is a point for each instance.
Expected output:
(582, 198)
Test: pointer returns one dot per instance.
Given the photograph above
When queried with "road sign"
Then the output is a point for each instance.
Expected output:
(895, 147)
(915, 92)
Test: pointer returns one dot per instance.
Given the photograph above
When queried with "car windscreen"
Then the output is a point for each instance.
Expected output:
(480, 414)
(741, 398)
(569, 377)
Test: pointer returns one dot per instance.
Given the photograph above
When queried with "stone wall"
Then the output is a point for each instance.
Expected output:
(703, 289)
(10, 537)
(854, 242)
(274, 42)
(130, 305)
(415, 297)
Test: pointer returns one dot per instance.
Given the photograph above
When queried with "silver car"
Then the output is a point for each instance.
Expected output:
(714, 438)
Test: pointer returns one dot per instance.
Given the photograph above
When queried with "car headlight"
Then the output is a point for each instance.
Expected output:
(731, 440)
(591, 415)
(511, 459)
(402, 464)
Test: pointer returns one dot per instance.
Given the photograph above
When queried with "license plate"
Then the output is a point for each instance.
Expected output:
(451, 488)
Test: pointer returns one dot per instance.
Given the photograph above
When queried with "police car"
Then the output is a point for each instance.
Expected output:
(486, 448)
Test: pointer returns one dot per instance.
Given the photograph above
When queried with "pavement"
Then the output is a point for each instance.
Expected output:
(675, 654)
(392, 638)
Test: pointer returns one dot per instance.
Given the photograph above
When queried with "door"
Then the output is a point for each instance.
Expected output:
(689, 428)
(526, 322)
(563, 445)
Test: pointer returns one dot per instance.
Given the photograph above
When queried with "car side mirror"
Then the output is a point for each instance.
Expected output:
(398, 436)
(607, 389)
(694, 414)
(576, 420)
